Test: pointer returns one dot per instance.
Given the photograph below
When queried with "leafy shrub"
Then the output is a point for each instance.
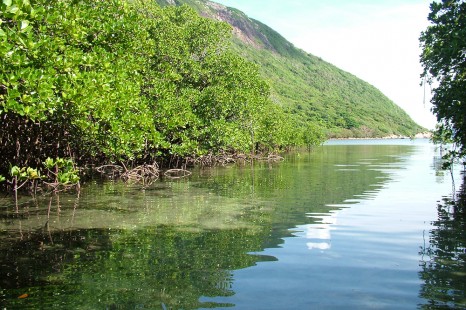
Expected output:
(103, 81)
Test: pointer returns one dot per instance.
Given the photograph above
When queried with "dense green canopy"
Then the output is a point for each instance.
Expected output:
(103, 81)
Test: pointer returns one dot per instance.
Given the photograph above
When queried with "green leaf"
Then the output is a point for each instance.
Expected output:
(15, 171)
(13, 9)
(23, 175)
(63, 178)
(32, 173)
(24, 24)
(49, 163)
(7, 2)
(74, 178)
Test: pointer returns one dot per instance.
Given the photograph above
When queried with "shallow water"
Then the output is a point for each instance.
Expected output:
(343, 226)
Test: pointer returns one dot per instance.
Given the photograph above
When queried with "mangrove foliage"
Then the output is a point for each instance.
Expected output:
(443, 57)
(129, 81)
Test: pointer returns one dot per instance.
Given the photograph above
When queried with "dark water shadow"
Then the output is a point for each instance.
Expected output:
(444, 256)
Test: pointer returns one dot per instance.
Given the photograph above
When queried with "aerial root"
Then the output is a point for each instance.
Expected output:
(142, 174)
(211, 160)
(61, 187)
(110, 170)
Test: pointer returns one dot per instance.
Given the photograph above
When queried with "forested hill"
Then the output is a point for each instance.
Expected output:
(306, 85)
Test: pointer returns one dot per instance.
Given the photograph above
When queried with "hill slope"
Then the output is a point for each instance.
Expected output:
(305, 85)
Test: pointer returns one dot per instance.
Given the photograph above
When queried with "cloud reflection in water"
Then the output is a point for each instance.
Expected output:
(319, 233)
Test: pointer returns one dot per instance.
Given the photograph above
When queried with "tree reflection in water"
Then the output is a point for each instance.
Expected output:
(147, 267)
(444, 258)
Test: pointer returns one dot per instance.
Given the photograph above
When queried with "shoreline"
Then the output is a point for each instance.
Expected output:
(421, 135)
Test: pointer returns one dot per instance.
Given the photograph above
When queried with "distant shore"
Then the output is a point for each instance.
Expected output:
(421, 135)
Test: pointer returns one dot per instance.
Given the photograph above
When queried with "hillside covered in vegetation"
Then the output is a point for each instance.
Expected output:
(305, 85)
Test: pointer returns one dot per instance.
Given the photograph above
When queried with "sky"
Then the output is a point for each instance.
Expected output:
(376, 40)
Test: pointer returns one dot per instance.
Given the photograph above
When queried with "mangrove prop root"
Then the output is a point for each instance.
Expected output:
(143, 174)
(225, 159)
(110, 170)
(273, 157)
(176, 173)
(57, 187)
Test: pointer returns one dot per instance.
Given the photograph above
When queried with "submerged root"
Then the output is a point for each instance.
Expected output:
(147, 173)
(177, 173)
(274, 157)
(211, 160)
(208, 160)
(110, 171)
(225, 159)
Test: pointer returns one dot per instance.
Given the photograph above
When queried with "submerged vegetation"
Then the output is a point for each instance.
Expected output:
(129, 82)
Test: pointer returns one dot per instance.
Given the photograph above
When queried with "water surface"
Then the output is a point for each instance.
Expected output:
(344, 226)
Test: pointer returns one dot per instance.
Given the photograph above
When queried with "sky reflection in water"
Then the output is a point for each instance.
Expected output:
(341, 226)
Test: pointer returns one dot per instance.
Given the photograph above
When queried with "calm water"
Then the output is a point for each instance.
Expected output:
(350, 225)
